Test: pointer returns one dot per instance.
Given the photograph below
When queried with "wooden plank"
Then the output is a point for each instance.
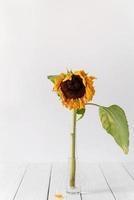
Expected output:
(35, 184)
(11, 176)
(59, 182)
(93, 184)
(119, 181)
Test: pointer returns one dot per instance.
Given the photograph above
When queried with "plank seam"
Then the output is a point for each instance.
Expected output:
(80, 195)
(127, 171)
(107, 182)
(50, 176)
(20, 182)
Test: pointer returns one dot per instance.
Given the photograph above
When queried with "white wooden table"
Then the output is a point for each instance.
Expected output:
(107, 181)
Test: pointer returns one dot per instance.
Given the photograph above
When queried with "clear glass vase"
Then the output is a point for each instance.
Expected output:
(73, 177)
(73, 186)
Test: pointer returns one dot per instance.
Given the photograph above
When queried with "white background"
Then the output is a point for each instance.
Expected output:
(41, 37)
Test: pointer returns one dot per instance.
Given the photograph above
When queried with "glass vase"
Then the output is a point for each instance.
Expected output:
(73, 176)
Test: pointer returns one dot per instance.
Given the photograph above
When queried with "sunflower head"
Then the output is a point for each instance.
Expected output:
(75, 89)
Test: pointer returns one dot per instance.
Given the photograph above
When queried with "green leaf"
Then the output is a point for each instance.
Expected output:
(52, 78)
(114, 121)
(81, 113)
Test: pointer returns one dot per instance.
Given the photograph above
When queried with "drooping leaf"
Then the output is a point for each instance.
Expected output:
(52, 78)
(80, 113)
(114, 121)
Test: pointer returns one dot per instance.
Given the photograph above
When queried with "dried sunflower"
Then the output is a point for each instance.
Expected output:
(75, 89)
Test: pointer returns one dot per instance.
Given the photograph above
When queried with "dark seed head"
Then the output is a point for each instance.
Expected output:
(74, 88)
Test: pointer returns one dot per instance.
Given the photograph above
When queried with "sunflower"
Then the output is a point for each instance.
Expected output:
(75, 89)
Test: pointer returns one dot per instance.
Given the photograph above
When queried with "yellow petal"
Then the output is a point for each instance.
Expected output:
(59, 196)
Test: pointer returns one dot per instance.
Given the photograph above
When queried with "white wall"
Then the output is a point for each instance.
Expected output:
(41, 37)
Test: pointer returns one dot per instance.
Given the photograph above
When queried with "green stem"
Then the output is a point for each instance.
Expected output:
(94, 104)
(73, 158)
